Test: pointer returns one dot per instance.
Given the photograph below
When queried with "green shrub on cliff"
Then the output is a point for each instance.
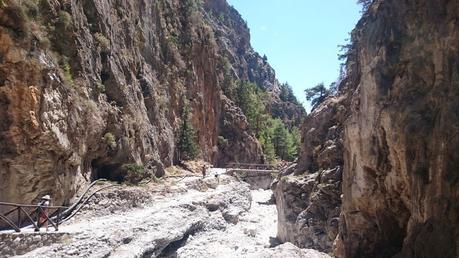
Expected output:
(67, 72)
(281, 141)
(222, 141)
(186, 144)
(295, 141)
(134, 173)
(110, 140)
(103, 42)
(268, 147)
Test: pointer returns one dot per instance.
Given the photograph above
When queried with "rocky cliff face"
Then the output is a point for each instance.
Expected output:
(308, 195)
(400, 183)
(399, 141)
(88, 86)
(239, 61)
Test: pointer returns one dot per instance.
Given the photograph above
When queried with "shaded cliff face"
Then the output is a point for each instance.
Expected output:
(308, 195)
(400, 180)
(392, 131)
(88, 86)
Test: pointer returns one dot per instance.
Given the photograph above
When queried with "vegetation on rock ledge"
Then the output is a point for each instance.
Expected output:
(277, 140)
(186, 145)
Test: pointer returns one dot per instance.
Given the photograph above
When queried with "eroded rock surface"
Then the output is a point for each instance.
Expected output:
(400, 182)
(89, 86)
(147, 230)
(308, 194)
(183, 221)
(391, 136)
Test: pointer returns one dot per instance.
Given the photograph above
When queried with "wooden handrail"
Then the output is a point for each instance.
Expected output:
(244, 165)
(39, 210)
(30, 205)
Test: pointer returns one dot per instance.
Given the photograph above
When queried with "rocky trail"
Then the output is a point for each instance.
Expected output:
(196, 218)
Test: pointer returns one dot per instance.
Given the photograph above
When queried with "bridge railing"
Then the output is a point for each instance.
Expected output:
(21, 215)
(251, 166)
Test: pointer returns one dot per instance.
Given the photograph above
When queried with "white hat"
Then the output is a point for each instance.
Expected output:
(46, 197)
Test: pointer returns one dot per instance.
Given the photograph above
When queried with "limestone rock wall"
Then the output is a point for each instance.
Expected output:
(308, 195)
(400, 181)
(391, 132)
(88, 86)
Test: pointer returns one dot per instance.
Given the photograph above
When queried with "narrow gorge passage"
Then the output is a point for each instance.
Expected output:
(351, 118)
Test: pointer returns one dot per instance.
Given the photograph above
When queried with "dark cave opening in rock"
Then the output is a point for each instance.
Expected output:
(108, 171)
(104, 76)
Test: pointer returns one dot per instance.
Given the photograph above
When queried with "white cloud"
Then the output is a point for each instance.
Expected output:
(264, 28)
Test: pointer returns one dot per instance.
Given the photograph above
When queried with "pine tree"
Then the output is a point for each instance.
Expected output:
(286, 93)
(250, 99)
(280, 140)
(187, 146)
(317, 94)
(294, 144)
(266, 141)
(365, 4)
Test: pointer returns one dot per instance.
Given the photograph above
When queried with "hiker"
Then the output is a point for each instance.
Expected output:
(218, 178)
(43, 212)
(204, 171)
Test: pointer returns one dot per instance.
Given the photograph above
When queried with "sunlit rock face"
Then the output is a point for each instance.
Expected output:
(88, 86)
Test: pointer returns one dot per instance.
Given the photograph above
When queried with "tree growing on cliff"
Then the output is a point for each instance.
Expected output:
(365, 4)
(278, 141)
(266, 141)
(187, 145)
(281, 141)
(317, 94)
(286, 93)
(250, 99)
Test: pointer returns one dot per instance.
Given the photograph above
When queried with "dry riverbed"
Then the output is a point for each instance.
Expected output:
(185, 217)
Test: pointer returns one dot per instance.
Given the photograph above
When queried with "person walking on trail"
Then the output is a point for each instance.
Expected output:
(43, 212)
(218, 178)
(204, 168)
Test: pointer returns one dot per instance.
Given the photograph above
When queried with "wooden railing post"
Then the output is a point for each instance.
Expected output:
(58, 218)
(19, 217)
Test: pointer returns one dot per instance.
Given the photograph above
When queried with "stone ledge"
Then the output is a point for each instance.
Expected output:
(20, 243)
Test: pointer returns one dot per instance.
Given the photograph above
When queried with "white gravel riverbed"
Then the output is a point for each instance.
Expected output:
(204, 218)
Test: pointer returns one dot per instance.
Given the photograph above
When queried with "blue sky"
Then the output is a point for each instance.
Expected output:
(300, 37)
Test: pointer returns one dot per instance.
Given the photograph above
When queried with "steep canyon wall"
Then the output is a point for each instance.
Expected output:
(392, 131)
(89, 86)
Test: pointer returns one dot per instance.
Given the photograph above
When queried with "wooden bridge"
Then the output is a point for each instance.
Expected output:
(255, 168)
(257, 175)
